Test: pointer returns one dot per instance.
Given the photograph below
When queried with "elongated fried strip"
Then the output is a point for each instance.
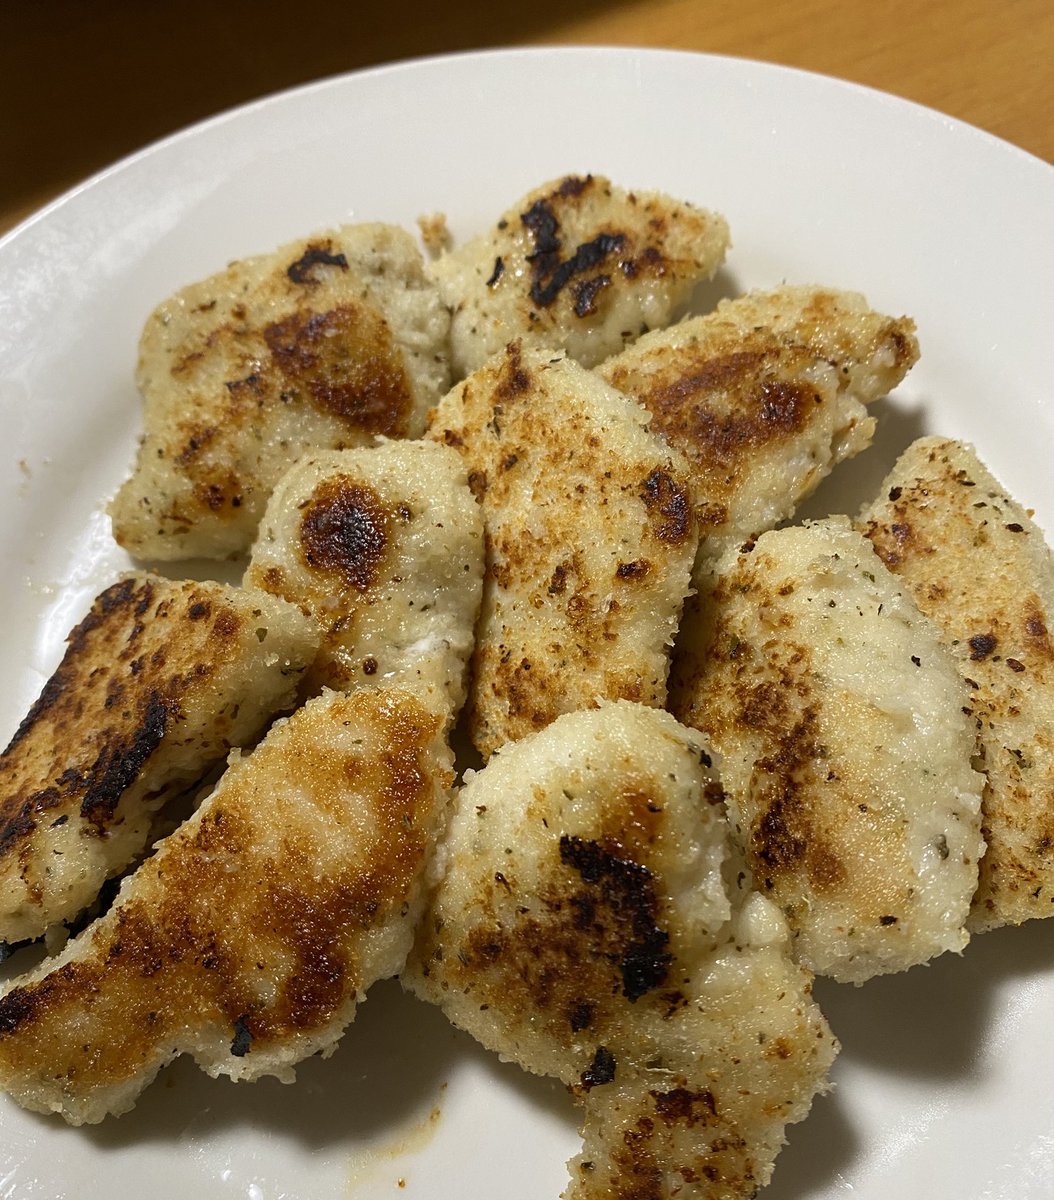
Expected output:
(979, 568)
(590, 539)
(845, 750)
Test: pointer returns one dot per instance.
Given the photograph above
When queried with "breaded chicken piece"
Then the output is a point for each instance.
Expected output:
(589, 539)
(845, 750)
(158, 682)
(978, 567)
(320, 345)
(765, 396)
(578, 264)
(248, 938)
(581, 929)
(383, 548)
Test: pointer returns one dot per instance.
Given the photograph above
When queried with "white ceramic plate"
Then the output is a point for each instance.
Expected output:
(943, 1085)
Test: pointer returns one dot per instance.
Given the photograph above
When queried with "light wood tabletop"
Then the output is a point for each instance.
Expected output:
(83, 84)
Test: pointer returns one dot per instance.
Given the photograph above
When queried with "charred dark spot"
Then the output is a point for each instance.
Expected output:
(243, 1038)
(670, 500)
(633, 570)
(558, 581)
(314, 256)
(550, 278)
(344, 529)
(601, 1070)
(765, 409)
(627, 889)
(888, 919)
(574, 185)
(585, 294)
(496, 274)
(981, 645)
(683, 1107)
(369, 666)
(137, 596)
(477, 482)
(513, 381)
(250, 383)
(198, 610)
(581, 1016)
(550, 275)
(16, 1009)
(1035, 627)
(1014, 665)
(895, 493)
(1015, 527)
(118, 766)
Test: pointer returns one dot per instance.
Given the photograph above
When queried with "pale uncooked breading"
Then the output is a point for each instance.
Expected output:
(845, 750)
(577, 263)
(590, 539)
(583, 929)
(158, 682)
(978, 566)
(320, 345)
(383, 547)
(248, 938)
(765, 396)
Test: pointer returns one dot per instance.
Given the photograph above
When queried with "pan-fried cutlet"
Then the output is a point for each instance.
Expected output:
(590, 539)
(765, 396)
(250, 935)
(582, 928)
(578, 264)
(979, 568)
(845, 749)
(158, 682)
(383, 547)
(321, 345)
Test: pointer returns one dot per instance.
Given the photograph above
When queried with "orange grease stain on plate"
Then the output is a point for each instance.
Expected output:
(368, 1164)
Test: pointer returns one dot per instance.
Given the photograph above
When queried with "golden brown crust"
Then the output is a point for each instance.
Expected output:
(248, 937)
(158, 682)
(589, 539)
(582, 930)
(845, 752)
(764, 396)
(979, 567)
(326, 343)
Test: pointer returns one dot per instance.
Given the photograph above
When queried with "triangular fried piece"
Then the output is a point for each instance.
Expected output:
(158, 682)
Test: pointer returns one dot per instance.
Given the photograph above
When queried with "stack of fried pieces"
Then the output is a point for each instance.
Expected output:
(708, 753)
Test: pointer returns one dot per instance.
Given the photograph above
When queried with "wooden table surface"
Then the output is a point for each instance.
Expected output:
(84, 82)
